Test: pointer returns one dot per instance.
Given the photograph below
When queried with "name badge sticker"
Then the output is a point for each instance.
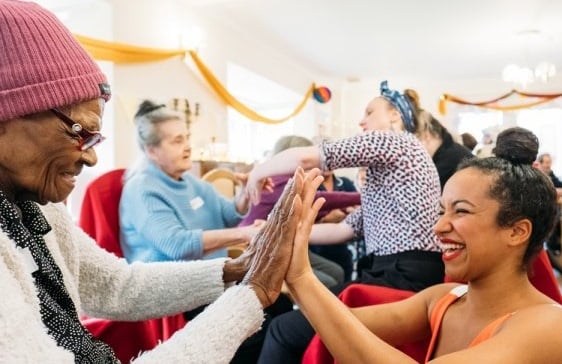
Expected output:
(196, 203)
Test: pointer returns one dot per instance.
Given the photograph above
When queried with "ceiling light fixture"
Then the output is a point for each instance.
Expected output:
(525, 75)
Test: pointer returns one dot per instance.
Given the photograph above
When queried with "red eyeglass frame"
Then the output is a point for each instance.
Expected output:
(87, 139)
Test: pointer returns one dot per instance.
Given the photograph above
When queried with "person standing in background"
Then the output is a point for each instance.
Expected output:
(545, 165)
(469, 141)
(553, 242)
(444, 151)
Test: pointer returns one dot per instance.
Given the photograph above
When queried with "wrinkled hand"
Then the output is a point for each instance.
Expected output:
(300, 264)
(274, 243)
(235, 270)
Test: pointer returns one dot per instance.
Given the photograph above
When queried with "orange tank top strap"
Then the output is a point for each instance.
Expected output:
(438, 313)
(489, 330)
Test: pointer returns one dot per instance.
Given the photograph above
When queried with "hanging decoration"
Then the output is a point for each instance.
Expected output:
(124, 53)
(493, 104)
(322, 94)
(121, 53)
(237, 105)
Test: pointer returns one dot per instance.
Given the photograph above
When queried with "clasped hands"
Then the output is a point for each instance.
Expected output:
(279, 251)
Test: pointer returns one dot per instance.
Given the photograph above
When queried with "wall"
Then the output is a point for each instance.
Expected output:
(163, 24)
(160, 24)
(356, 95)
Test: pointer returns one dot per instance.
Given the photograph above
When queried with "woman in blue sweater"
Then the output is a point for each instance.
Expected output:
(166, 213)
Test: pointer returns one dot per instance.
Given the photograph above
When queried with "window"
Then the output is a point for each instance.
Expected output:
(248, 140)
(547, 125)
(545, 122)
(478, 122)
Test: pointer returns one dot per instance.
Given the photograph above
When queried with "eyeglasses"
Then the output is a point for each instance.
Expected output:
(87, 139)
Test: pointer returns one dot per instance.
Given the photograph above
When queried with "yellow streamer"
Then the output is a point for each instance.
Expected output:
(123, 53)
(519, 106)
(232, 101)
(492, 104)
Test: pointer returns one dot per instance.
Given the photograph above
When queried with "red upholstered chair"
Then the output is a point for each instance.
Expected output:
(358, 295)
(99, 218)
(541, 276)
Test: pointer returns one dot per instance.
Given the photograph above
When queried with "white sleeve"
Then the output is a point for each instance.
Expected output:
(215, 334)
(23, 337)
(111, 288)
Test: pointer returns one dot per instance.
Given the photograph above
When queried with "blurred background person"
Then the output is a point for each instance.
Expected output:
(469, 141)
(545, 165)
(329, 271)
(339, 253)
(166, 213)
(444, 151)
(398, 208)
(553, 242)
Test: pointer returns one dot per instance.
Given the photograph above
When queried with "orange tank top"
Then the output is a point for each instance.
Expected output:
(439, 311)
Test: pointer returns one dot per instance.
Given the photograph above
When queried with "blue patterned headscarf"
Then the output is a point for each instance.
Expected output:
(402, 104)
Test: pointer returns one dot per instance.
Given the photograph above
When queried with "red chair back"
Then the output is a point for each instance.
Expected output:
(541, 276)
(99, 218)
(359, 295)
(99, 213)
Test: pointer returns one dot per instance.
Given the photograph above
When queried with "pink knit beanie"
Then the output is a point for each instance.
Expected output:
(41, 64)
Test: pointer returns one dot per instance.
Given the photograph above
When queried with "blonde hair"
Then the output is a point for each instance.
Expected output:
(290, 141)
(422, 118)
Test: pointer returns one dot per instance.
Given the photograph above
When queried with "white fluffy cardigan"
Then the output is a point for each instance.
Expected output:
(104, 286)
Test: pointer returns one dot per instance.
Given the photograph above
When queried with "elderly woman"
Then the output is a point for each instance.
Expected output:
(52, 97)
(488, 234)
(398, 207)
(166, 213)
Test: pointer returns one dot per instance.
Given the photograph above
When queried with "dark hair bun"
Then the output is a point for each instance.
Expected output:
(146, 107)
(517, 145)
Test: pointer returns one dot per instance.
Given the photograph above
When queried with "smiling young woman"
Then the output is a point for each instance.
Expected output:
(495, 215)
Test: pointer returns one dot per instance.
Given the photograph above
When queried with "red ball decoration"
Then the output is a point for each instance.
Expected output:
(322, 94)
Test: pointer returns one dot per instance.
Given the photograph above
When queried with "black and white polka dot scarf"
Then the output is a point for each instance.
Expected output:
(57, 309)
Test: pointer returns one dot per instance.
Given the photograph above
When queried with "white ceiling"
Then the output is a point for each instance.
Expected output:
(361, 39)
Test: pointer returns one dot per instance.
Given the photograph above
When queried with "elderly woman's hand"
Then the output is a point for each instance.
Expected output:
(262, 243)
(275, 245)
